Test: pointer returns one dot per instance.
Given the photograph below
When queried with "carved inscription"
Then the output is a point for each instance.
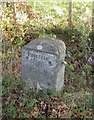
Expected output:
(41, 66)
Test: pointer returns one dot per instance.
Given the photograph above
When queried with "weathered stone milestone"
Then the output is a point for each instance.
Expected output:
(43, 63)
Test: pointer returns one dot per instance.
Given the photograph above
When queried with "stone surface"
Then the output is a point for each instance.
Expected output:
(43, 63)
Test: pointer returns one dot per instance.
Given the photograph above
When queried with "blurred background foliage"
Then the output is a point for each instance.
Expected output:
(23, 22)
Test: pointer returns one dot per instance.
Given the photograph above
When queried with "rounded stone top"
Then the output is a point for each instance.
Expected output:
(47, 44)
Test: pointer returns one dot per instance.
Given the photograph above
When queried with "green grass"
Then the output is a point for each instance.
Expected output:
(77, 95)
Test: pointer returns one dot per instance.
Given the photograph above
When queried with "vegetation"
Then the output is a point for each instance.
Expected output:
(23, 22)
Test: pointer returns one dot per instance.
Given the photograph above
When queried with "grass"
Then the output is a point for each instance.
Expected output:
(76, 98)
(19, 103)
